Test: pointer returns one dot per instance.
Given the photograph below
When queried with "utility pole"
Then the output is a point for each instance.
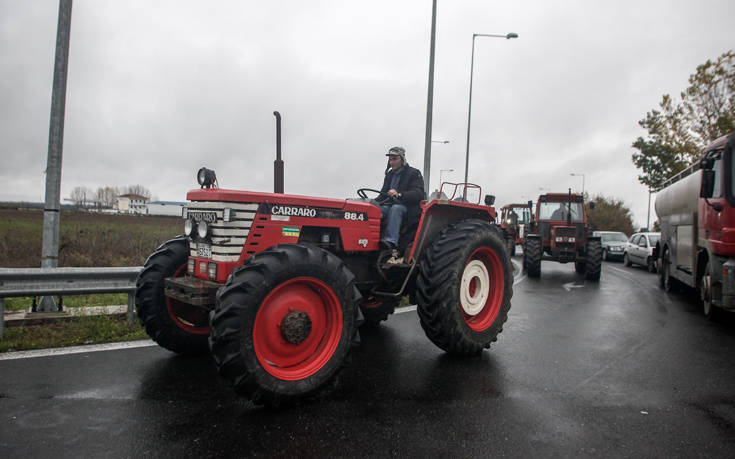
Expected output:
(429, 104)
(52, 208)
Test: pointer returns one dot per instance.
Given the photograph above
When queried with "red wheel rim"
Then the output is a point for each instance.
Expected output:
(496, 278)
(185, 316)
(286, 360)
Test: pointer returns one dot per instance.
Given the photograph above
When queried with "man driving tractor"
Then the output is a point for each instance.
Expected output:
(401, 194)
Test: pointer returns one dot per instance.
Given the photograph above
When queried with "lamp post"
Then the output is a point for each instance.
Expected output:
(648, 216)
(429, 102)
(469, 110)
(577, 175)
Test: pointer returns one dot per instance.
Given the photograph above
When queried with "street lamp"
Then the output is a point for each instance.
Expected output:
(429, 102)
(578, 175)
(469, 110)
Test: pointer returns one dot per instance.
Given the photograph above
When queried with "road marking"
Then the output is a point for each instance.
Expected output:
(570, 285)
(76, 349)
(518, 269)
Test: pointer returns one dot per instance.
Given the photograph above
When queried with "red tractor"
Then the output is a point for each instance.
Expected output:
(514, 219)
(275, 286)
(560, 233)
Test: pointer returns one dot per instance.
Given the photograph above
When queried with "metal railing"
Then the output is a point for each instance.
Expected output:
(67, 281)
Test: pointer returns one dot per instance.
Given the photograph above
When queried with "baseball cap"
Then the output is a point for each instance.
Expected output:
(399, 151)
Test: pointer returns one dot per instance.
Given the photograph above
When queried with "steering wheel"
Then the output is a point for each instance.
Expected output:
(361, 193)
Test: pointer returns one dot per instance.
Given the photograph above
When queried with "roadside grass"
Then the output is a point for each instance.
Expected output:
(86, 239)
(71, 332)
(72, 301)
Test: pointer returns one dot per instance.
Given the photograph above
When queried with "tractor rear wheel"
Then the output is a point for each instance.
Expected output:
(532, 257)
(593, 261)
(176, 326)
(284, 323)
(464, 288)
(375, 310)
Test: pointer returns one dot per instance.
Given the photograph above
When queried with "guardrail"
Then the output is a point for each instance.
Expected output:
(66, 281)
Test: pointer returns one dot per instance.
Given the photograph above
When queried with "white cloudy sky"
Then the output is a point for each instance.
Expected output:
(157, 89)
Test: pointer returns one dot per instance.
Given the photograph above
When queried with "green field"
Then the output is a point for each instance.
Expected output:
(85, 240)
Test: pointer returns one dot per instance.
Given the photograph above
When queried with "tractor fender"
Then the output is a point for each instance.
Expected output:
(439, 214)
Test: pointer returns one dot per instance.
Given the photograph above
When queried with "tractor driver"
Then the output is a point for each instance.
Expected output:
(403, 189)
(560, 213)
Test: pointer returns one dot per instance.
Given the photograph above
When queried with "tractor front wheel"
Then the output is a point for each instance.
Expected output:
(176, 326)
(532, 257)
(464, 288)
(284, 323)
(593, 261)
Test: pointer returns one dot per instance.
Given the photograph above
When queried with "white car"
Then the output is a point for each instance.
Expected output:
(639, 250)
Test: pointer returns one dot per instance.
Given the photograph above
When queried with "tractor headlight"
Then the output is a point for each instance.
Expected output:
(190, 266)
(202, 229)
(188, 227)
(212, 271)
(227, 214)
(206, 177)
(572, 239)
(559, 239)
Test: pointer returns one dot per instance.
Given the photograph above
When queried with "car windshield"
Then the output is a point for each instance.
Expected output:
(558, 211)
(613, 237)
(653, 238)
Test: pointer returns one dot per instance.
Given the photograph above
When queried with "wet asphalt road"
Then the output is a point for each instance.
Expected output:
(615, 369)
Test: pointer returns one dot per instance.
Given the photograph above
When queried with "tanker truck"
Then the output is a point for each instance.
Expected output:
(696, 211)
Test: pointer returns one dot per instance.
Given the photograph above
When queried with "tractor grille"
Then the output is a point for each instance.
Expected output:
(568, 231)
(226, 238)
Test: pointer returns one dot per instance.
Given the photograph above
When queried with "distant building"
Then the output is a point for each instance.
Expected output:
(165, 208)
(131, 204)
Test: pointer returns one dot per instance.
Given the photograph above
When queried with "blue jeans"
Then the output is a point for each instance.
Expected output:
(393, 214)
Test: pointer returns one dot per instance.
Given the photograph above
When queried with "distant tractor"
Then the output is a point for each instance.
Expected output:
(514, 220)
(275, 286)
(559, 232)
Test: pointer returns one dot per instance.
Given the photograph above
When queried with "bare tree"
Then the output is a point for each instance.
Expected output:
(140, 190)
(106, 196)
(81, 196)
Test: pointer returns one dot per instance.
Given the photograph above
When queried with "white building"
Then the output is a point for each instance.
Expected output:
(131, 204)
(165, 208)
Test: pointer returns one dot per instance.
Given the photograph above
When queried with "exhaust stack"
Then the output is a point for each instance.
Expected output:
(278, 163)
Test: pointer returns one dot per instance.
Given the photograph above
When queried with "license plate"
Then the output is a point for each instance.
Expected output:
(204, 251)
(209, 217)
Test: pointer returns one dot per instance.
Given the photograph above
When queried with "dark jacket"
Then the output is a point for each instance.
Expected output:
(411, 187)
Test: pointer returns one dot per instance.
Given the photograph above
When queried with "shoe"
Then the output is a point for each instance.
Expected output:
(387, 245)
(395, 259)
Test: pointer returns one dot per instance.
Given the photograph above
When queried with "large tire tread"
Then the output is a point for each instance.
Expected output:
(532, 257)
(438, 283)
(593, 261)
(151, 302)
(231, 339)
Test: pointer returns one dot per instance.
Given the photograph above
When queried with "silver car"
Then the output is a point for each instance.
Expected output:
(613, 244)
(639, 250)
